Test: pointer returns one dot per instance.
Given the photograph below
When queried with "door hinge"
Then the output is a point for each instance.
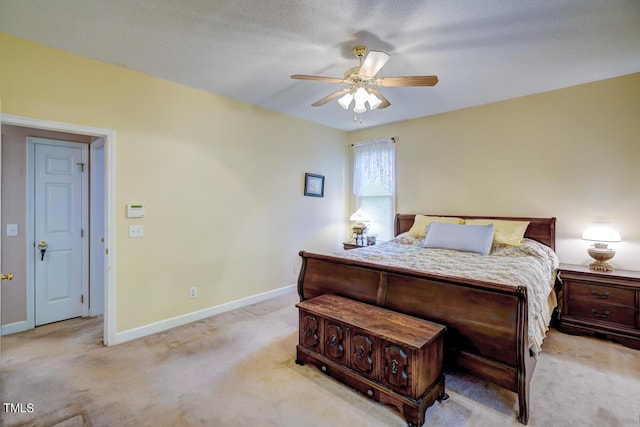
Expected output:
(82, 299)
(82, 232)
(81, 166)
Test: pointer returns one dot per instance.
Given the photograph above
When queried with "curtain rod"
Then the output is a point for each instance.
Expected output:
(373, 141)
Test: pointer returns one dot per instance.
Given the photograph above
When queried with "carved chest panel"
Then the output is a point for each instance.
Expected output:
(389, 356)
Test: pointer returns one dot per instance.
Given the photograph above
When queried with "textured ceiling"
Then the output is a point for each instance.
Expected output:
(482, 51)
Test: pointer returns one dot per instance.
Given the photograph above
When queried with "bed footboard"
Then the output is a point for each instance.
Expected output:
(487, 332)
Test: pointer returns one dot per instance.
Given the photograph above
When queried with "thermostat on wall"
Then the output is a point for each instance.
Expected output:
(135, 210)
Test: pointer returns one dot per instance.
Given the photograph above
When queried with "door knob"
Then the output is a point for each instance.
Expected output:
(8, 276)
(43, 249)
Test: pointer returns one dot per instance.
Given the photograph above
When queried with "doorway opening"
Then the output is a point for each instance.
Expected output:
(97, 295)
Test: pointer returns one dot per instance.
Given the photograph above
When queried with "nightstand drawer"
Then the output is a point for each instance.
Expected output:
(598, 303)
(596, 311)
(595, 293)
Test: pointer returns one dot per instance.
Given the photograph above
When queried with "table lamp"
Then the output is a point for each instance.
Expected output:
(359, 228)
(601, 235)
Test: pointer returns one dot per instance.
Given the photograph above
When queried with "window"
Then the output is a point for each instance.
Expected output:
(374, 183)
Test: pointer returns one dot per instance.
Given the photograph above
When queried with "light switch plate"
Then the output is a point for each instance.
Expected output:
(12, 230)
(136, 231)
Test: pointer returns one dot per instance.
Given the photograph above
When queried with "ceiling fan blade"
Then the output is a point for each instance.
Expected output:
(385, 102)
(374, 61)
(408, 81)
(317, 78)
(334, 95)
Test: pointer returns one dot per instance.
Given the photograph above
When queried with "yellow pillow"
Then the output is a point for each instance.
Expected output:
(504, 231)
(421, 221)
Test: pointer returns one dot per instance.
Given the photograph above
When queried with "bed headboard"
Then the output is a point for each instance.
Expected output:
(541, 229)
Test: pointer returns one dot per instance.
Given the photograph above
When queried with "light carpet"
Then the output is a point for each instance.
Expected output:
(238, 369)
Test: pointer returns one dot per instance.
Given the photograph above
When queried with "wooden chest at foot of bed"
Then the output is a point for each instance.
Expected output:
(391, 357)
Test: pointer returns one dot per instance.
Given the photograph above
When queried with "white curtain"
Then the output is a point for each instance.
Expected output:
(374, 168)
(374, 184)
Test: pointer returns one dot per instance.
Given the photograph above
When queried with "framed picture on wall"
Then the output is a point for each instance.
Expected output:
(313, 185)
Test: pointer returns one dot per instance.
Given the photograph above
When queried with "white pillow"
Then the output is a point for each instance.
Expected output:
(468, 238)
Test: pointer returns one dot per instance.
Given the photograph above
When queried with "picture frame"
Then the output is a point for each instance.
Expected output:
(313, 185)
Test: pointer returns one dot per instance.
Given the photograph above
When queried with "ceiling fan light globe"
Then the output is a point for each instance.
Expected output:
(374, 101)
(345, 100)
(360, 107)
(361, 95)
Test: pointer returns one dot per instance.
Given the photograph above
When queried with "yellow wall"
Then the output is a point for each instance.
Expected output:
(222, 180)
(570, 153)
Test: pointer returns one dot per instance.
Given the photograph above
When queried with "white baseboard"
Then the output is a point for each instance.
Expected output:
(163, 325)
(12, 328)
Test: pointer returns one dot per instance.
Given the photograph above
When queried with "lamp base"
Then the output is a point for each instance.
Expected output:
(358, 229)
(600, 266)
(601, 255)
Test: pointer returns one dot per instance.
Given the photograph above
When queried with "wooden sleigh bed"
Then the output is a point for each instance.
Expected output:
(487, 323)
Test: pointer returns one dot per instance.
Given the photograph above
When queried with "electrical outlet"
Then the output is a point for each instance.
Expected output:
(193, 292)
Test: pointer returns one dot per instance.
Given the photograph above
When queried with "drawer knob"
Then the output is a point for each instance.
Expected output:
(370, 393)
(601, 296)
(601, 315)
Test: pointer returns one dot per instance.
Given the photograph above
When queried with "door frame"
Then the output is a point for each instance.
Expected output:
(109, 206)
(96, 227)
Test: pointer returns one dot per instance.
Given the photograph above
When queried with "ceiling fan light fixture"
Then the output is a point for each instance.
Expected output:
(359, 108)
(345, 100)
(374, 101)
(361, 96)
(363, 82)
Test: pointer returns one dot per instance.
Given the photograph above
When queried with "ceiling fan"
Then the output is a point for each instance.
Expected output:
(364, 84)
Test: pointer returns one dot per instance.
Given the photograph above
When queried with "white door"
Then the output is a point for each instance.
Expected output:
(59, 228)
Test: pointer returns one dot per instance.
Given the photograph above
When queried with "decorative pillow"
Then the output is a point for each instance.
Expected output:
(506, 232)
(406, 239)
(468, 238)
(421, 222)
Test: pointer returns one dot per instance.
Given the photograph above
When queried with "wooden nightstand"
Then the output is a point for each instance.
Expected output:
(348, 245)
(603, 304)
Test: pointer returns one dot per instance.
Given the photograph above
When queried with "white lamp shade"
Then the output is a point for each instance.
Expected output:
(359, 216)
(600, 232)
(360, 97)
(374, 101)
(345, 100)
